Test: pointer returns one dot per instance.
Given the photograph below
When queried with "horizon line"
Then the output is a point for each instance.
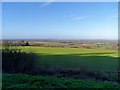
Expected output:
(54, 39)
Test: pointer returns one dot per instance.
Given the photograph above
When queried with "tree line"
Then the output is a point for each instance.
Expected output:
(18, 43)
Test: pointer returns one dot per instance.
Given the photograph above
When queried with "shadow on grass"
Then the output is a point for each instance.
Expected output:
(62, 65)
(79, 60)
(78, 66)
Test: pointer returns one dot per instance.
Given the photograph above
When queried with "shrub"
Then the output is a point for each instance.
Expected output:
(16, 61)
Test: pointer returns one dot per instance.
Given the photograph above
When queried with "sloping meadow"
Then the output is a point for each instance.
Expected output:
(72, 63)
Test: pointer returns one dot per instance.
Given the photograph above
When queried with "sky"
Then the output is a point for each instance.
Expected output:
(60, 0)
(60, 20)
(0, 20)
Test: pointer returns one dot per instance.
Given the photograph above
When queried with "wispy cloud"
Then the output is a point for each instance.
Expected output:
(80, 17)
(76, 17)
(48, 2)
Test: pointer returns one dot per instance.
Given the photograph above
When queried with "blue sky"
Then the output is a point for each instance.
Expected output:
(83, 20)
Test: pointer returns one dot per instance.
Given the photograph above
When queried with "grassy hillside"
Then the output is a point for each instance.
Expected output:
(106, 61)
(80, 51)
(27, 81)
(66, 68)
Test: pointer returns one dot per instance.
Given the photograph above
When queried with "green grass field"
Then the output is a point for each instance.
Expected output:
(17, 81)
(103, 60)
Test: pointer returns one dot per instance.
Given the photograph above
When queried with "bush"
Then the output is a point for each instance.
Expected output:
(16, 61)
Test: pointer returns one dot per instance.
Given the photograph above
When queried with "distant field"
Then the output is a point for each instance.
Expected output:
(80, 51)
(106, 61)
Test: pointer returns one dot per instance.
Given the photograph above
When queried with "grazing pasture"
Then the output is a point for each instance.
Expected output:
(103, 60)
(60, 67)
